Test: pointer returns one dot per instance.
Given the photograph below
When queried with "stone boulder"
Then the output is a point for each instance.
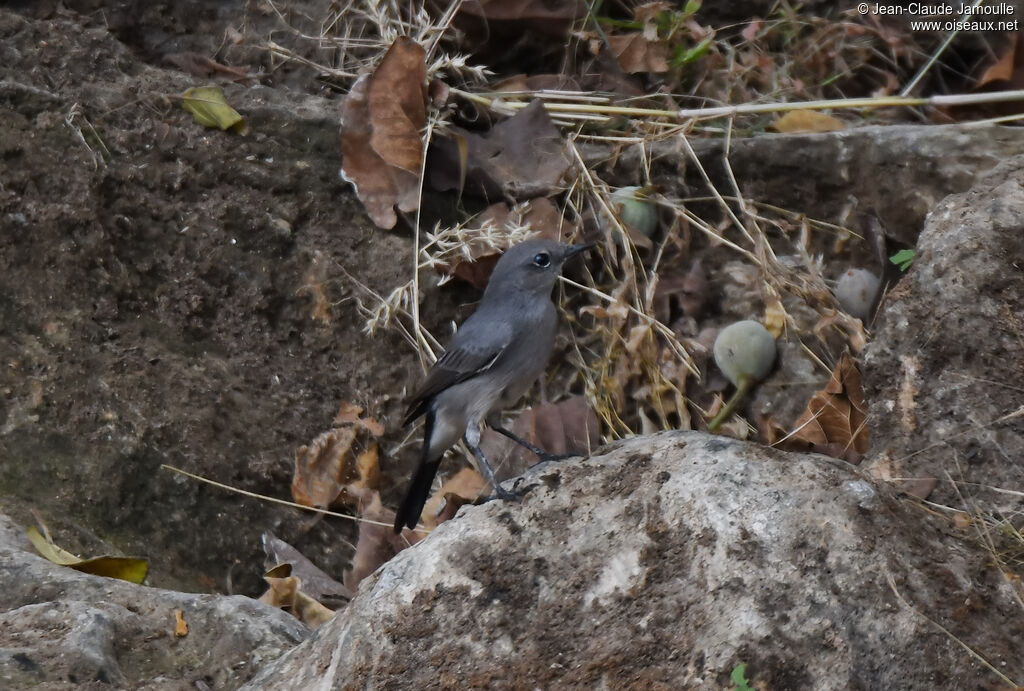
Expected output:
(944, 374)
(666, 562)
(60, 628)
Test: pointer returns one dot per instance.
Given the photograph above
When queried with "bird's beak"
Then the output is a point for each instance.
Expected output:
(576, 249)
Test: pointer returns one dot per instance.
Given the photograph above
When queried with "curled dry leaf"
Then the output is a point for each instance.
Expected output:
(464, 487)
(856, 336)
(774, 319)
(180, 625)
(519, 158)
(382, 120)
(834, 422)
(316, 583)
(129, 569)
(286, 593)
(342, 457)
(350, 413)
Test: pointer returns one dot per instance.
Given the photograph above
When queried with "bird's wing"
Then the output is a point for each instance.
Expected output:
(475, 348)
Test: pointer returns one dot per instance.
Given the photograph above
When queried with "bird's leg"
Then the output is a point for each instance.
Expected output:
(499, 491)
(542, 455)
(472, 440)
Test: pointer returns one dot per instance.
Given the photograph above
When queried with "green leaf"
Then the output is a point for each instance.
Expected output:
(682, 56)
(739, 677)
(210, 109)
(903, 259)
(691, 7)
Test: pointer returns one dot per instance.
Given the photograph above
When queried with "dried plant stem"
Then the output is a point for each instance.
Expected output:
(679, 351)
(508, 106)
(935, 56)
(275, 500)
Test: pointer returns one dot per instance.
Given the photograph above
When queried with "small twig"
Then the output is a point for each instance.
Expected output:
(508, 107)
(275, 500)
(935, 56)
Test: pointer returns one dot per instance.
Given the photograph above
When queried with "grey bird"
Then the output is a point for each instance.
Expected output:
(493, 359)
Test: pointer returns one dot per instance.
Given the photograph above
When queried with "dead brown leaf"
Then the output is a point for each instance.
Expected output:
(1008, 70)
(350, 413)
(464, 487)
(180, 625)
(538, 214)
(344, 456)
(677, 291)
(807, 121)
(520, 158)
(637, 53)
(382, 121)
(834, 422)
(315, 581)
(1005, 74)
(286, 593)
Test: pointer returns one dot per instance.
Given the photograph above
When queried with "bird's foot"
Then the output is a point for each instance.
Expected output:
(503, 494)
(521, 489)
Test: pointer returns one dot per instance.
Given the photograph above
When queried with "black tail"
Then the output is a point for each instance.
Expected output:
(416, 496)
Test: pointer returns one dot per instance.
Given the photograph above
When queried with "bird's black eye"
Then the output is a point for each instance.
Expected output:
(542, 259)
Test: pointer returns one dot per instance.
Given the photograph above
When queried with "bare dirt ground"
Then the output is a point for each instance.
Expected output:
(170, 295)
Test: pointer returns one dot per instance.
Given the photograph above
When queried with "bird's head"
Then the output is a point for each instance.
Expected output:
(532, 266)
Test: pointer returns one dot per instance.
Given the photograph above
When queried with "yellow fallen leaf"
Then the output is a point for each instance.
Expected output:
(180, 625)
(807, 121)
(210, 109)
(130, 569)
(286, 593)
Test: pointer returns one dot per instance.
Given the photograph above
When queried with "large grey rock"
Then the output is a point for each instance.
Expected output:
(60, 628)
(665, 562)
(944, 374)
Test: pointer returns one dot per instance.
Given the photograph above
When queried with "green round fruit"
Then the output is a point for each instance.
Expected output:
(745, 350)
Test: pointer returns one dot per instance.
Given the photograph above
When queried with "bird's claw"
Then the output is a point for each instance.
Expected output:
(522, 491)
(503, 494)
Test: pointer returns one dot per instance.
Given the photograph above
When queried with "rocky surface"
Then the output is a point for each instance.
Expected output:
(944, 371)
(171, 294)
(63, 629)
(665, 562)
